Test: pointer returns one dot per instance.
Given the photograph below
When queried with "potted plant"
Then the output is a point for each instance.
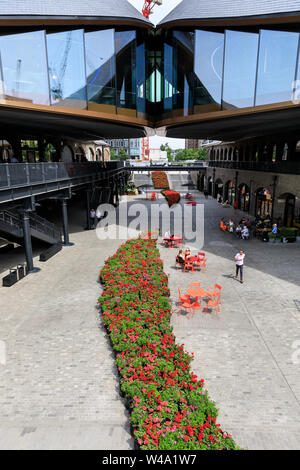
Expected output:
(288, 234)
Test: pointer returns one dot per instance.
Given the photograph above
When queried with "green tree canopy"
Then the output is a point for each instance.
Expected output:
(191, 154)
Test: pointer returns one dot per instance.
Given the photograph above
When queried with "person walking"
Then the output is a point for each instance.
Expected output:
(239, 261)
(92, 218)
(98, 215)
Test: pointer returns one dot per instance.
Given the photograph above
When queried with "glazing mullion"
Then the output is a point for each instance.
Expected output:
(296, 70)
(223, 68)
(47, 62)
(85, 71)
(257, 65)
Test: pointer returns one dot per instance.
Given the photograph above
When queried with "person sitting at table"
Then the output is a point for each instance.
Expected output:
(275, 229)
(245, 233)
(223, 226)
(238, 231)
(187, 253)
(230, 225)
(180, 257)
(167, 234)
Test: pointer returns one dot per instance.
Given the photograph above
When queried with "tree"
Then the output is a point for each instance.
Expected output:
(122, 154)
(191, 154)
(166, 148)
(113, 155)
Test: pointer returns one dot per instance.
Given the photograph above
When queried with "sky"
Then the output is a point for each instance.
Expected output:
(159, 12)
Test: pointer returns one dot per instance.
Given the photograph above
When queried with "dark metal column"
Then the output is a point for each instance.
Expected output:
(65, 222)
(27, 243)
(88, 209)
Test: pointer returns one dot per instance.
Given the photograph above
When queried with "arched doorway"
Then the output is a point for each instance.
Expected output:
(79, 154)
(98, 155)
(244, 198)
(66, 154)
(219, 188)
(264, 203)
(91, 155)
(229, 192)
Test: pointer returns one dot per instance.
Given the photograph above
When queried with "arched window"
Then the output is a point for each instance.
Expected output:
(264, 203)
(244, 197)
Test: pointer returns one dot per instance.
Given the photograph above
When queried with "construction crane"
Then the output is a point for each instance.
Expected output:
(148, 7)
(58, 78)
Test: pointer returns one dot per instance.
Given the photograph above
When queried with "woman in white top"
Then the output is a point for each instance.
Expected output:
(239, 261)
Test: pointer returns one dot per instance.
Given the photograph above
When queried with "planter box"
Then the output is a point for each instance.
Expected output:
(10, 279)
(21, 271)
(50, 252)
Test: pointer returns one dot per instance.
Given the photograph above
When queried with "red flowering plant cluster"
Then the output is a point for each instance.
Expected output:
(160, 180)
(171, 196)
(169, 408)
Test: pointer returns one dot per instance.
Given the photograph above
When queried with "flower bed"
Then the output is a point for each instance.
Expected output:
(160, 180)
(169, 407)
(171, 196)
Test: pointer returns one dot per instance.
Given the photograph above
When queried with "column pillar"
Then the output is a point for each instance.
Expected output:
(64, 211)
(27, 243)
(88, 209)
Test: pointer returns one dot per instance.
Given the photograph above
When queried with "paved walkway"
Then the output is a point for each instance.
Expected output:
(246, 354)
(58, 389)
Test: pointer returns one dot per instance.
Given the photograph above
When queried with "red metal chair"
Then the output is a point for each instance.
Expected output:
(178, 265)
(183, 297)
(203, 265)
(217, 290)
(188, 305)
(201, 255)
(188, 265)
(215, 302)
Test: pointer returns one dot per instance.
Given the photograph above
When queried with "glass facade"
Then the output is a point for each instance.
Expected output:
(67, 69)
(239, 69)
(126, 72)
(276, 67)
(100, 70)
(149, 74)
(24, 67)
(209, 54)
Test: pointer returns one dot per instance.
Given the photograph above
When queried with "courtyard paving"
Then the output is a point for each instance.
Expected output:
(248, 354)
(58, 388)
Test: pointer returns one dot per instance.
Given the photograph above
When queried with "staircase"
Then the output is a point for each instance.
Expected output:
(181, 181)
(142, 180)
(11, 227)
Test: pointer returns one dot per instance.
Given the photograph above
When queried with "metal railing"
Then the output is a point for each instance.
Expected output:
(29, 174)
(36, 222)
(274, 167)
(42, 225)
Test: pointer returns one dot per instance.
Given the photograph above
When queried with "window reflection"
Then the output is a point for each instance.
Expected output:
(100, 70)
(141, 80)
(239, 69)
(276, 68)
(67, 69)
(183, 79)
(209, 47)
(126, 72)
(24, 67)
